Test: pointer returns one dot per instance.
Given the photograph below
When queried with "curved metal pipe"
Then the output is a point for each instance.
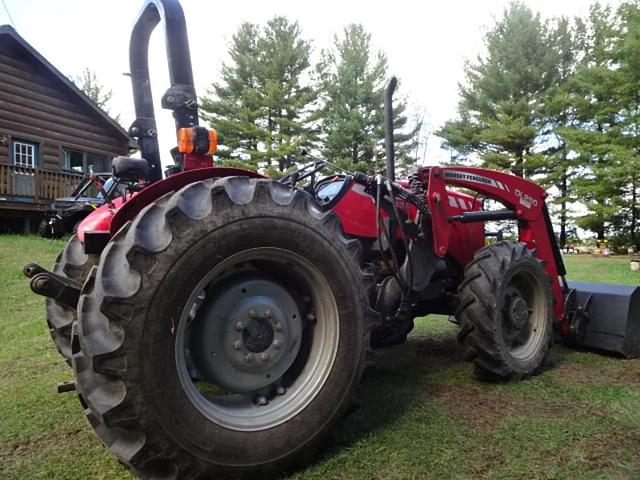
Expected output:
(181, 96)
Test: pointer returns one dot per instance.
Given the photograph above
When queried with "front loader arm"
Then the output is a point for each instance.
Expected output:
(524, 202)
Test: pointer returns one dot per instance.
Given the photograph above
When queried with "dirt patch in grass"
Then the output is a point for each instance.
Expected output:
(613, 452)
(438, 350)
(481, 406)
(575, 373)
(43, 443)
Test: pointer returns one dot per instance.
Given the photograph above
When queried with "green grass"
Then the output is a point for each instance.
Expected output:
(422, 413)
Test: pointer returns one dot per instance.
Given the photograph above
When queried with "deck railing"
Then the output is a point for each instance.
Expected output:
(39, 185)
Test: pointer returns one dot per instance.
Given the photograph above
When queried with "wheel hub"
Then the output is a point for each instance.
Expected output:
(518, 312)
(258, 335)
(245, 337)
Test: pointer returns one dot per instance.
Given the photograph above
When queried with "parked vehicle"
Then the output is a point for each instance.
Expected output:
(66, 213)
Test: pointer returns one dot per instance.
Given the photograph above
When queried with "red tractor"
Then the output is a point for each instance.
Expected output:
(218, 322)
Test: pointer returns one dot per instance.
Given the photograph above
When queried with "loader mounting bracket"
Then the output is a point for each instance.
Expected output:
(577, 314)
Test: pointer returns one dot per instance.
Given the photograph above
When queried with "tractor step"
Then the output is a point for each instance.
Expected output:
(606, 317)
(65, 387)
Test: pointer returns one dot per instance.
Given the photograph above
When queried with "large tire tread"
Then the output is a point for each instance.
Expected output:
(105, 364)
(74, 264)
(480, 333)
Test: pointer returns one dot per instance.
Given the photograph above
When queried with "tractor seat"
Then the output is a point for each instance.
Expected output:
(130, 169)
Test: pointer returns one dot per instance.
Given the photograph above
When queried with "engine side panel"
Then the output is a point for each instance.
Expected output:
(466, 238)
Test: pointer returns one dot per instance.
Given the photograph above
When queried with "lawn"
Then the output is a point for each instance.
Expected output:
(421, 415)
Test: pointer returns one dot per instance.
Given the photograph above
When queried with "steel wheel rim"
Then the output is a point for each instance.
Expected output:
(527, 340)
(239, 411)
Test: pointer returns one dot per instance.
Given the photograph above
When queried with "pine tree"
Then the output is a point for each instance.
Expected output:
(261, 106)
(627, 77)
(233, 106)
(592, 93)
(352, 81)
(560, 165)
(502, 98)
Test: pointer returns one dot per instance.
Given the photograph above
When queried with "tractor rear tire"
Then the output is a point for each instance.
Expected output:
(73, 264)
(198, 280)
(505, 312)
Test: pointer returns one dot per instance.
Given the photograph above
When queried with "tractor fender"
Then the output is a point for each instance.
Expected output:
(112, 218)
(171, 184)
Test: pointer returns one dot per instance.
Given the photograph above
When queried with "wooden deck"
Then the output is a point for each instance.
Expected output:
(33, 189)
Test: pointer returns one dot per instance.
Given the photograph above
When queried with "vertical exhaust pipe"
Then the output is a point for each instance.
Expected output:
(388, 129)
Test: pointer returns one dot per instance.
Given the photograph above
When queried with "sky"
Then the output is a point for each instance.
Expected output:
(426, 42)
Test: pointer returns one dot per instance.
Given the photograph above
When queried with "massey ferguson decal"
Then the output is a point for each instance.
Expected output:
(472, 177)
(524, 199)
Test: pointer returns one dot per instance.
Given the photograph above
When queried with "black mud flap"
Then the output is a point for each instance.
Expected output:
(610, 317)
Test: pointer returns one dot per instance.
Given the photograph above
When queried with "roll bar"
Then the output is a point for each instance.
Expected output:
(181, 95)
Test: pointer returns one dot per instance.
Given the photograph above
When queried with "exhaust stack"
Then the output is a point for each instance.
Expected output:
(388, 129)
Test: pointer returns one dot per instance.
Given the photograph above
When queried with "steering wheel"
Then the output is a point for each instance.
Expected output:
(308, 170)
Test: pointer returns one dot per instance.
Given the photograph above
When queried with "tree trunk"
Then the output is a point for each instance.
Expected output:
(518, 166)
(634, 213)
(563, 209)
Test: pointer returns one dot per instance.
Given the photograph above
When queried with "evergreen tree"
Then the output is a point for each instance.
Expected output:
(261, 106)
(352, 82)
(233, 105)
(561, 164)
(592, 92)
(627, 131)
(287, 101)
(502, 99)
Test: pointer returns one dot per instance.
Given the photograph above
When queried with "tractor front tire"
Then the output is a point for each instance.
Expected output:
(505, 312)
(224, 332)
(73, 264)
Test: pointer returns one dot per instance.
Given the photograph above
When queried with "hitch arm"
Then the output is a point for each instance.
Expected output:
(61, 289)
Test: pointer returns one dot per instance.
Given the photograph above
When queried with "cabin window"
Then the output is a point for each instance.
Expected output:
(73, 161)
(25, 154)
(80, 162)
(98, 161)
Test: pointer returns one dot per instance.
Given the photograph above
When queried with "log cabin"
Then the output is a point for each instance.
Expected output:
(50, 134)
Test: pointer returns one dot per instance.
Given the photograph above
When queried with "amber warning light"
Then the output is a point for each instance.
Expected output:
(197, 140)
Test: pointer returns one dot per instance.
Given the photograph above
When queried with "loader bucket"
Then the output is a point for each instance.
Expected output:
(612, 317)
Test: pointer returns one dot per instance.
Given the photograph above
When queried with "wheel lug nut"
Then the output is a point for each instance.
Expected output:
(237, 345)
(311, 318)
(278, 327)
(248, 358)
(240, 326)
(262, 401)
(265, 357)
(281, 390)
(268, 314)
(252, 314)
(277, 344)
